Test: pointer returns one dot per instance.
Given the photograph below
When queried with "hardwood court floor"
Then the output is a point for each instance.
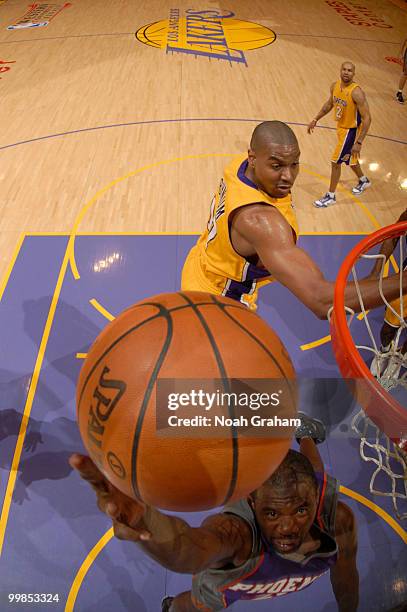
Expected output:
(85, 104)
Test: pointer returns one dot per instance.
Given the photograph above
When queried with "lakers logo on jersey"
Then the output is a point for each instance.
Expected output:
(211, 33)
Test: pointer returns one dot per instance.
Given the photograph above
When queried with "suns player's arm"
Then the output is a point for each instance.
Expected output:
(359, 99)
(328, 106)
(261, 229)
(344, 574)
(221, 539)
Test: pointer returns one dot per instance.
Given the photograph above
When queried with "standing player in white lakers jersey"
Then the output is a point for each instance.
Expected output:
(351, 112)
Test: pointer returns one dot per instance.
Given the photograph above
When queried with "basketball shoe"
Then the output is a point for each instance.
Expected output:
(399, 97)
(325, 201)
(166, 604)
(361, 186)
(310, 428)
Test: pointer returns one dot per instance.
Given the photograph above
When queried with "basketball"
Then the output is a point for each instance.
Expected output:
(169, 339)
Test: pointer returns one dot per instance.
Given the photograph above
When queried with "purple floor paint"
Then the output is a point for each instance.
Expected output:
(53, 522)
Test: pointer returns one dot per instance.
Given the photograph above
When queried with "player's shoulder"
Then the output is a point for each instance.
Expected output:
(260, 218)
(345, 521)
(358, 94)
(228, 523)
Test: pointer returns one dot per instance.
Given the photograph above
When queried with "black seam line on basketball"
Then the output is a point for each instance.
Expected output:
(136, 327)
(236, 306)
(259, 342)
(225, 381)
(139, 425)
(129, 331)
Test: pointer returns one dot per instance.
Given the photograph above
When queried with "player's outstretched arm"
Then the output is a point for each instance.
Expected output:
(269, 235)
(167, 539)
(328, 106)
(344, 574)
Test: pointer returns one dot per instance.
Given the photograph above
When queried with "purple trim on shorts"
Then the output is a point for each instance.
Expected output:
(345, 155)
(237, 289)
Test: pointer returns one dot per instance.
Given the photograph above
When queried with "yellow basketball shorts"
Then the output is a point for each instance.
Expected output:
(196, 278)
(395, 320)
(346, 139)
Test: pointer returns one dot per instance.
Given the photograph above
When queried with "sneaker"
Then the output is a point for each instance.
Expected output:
(166, 604)
(325, 201)
(361, 186)
(399, 97)
(310, 428)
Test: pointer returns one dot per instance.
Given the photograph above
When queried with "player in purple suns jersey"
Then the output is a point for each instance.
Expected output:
(279, 540)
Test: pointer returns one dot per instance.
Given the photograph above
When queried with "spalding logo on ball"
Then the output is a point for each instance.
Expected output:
(174, 336)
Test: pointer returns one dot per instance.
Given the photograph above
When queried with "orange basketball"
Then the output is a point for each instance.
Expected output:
(166, 342)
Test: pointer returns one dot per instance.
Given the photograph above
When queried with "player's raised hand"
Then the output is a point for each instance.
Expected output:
(126, 513)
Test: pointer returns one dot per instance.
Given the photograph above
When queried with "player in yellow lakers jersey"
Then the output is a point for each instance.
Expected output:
(251, 235)
(351, 112)
(393, 332)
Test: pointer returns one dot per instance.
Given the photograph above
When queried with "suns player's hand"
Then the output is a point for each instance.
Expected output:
(126, 513)
(311, 126)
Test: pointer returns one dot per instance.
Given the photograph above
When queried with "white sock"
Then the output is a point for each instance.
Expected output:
(331, 194)
(363, 178)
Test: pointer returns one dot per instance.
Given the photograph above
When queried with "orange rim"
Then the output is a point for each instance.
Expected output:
(378, 404)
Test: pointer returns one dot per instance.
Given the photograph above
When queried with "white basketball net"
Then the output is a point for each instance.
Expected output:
(389, 478)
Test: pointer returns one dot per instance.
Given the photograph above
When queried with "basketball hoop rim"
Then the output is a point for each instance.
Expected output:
(349, 358)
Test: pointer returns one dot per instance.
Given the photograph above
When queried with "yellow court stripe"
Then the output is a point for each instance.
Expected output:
(315, 343)
(114, 234)
(81, 355)
(102, 310)
(29, 402)
(382, 513)
(84, 568)
(10, 266)
(106, 188)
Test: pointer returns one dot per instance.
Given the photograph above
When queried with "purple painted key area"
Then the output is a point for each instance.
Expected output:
(53, 522)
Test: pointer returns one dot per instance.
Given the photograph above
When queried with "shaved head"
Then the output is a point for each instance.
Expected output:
(295, 468)
(349, 64)
(272, 132)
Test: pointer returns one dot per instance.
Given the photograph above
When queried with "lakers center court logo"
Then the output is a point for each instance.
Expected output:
(210, 33)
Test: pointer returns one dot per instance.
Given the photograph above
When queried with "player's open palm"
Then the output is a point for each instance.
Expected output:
(126, 513)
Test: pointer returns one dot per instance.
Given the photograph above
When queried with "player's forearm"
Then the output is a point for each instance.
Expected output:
(366, 122)
(347, 593)
(176, 545)
(324, 111)
(370, 291)
(319, 297)
(170, 537)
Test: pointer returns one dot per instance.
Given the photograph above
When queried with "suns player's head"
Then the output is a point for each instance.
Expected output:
(273, 156)
(347, 72)
(286, 504)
